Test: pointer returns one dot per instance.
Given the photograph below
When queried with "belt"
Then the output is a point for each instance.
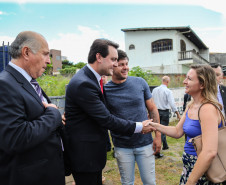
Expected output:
(166, 110)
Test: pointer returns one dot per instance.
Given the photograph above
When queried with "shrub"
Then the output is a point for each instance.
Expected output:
(53, 85)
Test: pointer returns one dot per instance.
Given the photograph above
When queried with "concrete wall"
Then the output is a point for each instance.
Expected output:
(59, 101)
(178, 94)
(218, 58)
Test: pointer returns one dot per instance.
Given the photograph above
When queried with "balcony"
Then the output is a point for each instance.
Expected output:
(190, 57)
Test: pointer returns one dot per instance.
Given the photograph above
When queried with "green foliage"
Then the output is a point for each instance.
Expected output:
(69, 68)
(146, 75)
(80, 65)
(53, 85)
(67, 64)
(49, 69)
(69, 71)
(156, 79)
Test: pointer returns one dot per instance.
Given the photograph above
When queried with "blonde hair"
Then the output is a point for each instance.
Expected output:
(207, 78)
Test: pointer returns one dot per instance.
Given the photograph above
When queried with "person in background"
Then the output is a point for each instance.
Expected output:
(201, 84)
(221, 93)
(30, 143)
(130, 98)
(187, 98)
(87, 117)
(164, 100)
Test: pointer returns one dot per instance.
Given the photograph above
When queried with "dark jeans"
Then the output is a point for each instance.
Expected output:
(164, 120)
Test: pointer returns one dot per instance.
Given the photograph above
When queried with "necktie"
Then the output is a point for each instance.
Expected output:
(101, 85)
(37, 88)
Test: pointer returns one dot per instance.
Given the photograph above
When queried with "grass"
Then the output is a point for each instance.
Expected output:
(168, 169)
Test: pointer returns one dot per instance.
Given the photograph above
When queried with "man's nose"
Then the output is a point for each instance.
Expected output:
(48, 60)
(115, 64)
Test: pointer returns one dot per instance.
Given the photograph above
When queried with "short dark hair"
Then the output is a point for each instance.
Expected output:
(122, 55)
(100, 46)
(215, 65)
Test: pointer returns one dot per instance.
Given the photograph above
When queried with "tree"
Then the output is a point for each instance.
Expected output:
(80, 65)
(67, 64)
(146, 75)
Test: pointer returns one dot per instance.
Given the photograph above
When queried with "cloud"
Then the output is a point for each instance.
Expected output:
(6, 39)
(216, 43)
(2, 13)
(75, 46)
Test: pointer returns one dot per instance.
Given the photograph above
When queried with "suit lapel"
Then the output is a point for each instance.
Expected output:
(223, 95)
(90, 74)
(24, 83)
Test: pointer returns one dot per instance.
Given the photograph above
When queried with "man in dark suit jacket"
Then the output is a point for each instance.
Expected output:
(87, 117)
(221, 95)
(30, 145)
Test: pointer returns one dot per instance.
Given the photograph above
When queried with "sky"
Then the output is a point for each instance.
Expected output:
(72, 25)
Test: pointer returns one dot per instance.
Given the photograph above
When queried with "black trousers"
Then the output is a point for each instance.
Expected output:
(88, 178)
(164, 120)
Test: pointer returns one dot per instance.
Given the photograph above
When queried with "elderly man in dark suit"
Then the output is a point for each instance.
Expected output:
(87, 117)
(30, 145)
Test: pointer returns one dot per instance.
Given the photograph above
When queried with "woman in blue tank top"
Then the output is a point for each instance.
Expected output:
(201, 84)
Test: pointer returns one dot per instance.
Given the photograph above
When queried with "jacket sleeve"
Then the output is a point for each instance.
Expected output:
(88, 99)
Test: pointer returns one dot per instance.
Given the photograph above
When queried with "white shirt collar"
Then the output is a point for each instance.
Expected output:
(21, 71)
(95, 73)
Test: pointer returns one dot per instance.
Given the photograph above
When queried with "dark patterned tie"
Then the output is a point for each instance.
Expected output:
(101, 85)
(37, 88)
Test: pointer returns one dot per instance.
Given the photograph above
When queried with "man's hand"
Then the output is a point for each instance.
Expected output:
(146, 127)
(49, 105)
(63, 119)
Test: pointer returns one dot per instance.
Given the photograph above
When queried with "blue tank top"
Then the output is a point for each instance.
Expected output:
(192, 128)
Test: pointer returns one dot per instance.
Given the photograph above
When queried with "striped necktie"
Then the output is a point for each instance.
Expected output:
(37, 88)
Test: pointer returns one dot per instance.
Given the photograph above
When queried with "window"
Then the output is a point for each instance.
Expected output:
(131, 46)
(58, 57)
(162, 45)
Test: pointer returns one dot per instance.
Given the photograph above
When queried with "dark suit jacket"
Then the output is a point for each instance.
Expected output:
(223, 95)
(30, 146)
(187, 98)
(87, 121)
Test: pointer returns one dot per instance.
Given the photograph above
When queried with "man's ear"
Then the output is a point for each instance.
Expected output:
(25, 52)
(98, 57)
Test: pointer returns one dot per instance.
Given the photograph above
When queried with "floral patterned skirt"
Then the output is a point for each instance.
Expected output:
(188, 165)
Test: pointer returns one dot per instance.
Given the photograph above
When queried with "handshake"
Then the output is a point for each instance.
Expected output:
(147, 127)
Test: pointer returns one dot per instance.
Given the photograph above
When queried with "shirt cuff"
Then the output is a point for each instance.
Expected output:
(139, 127)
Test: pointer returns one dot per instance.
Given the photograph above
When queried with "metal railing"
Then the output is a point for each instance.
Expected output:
(191, 55)
(4, 56)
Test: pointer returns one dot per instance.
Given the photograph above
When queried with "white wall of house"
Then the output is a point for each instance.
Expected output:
(142, 54)
(159, 62)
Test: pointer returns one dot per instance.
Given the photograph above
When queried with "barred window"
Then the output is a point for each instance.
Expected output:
(162, 45)
(131, 46)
